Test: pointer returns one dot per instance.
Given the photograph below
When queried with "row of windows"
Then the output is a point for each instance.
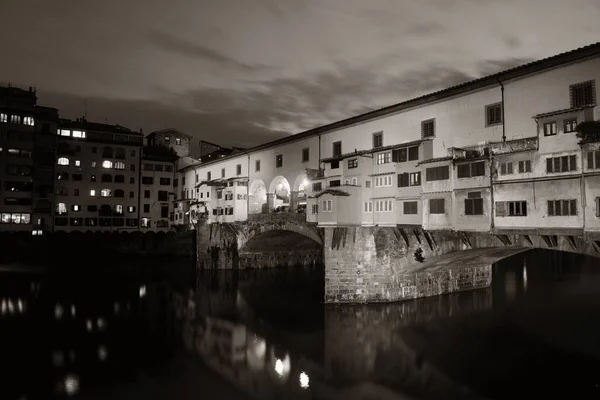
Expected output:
(107, 151)
(101, 136)
(17, 153)
(17, 119)
(104, 222)
(148, 180)
(158, 167)
(18, 201)
(107, 178)
(223, 211)
(20, 136)
(107, 164)
(105, 209)
(15, 218)
(551, 128)
(383, 181)
(61, 191)
(18, 170)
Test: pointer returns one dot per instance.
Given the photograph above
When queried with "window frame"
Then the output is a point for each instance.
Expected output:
(489, 107)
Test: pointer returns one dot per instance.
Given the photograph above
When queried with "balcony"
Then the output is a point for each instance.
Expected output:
(514, 146)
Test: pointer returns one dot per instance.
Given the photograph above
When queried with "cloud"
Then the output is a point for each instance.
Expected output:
(179, 46)
(490, 67)
(511, 41)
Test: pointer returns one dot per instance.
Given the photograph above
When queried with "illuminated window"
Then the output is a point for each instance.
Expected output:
(63, 161)
(61, 208)
(105, 193)
(93, 164)
(119, 165)
(92, 192)
(177, 141)
(130, 209)
(119, 209)
(145, 222)
(28, 121)
(64, 132)
(15, 119)
(76, 207)
(107, 164)
(77, 163)
(78, 134)
(3, 117)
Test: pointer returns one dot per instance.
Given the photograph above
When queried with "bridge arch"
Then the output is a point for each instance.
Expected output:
(279, 192)
(275, 233)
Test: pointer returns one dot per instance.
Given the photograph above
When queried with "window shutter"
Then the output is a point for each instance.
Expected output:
(597, 206)
(509, 168)
(597, 153)
(500, 209)
(405, 178)
(468, 208)
(573, 207)
(549, 165)
(478, 206)
(528, 166)
(572, 163)
(395, 156)
(503, 169)
(550, 207)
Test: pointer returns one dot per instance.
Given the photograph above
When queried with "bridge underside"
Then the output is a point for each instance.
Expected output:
(277, 241)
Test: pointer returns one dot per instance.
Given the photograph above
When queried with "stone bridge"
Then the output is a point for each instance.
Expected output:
(379, 264)
(265, 240)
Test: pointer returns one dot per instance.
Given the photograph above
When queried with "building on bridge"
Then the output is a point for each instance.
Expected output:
(495, 154)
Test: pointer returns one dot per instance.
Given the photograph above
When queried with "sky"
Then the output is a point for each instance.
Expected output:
(244, 72)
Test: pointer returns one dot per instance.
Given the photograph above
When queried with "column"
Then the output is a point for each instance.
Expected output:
(294, 201)
(270, 202)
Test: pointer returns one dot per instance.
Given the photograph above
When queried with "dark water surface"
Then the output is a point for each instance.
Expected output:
(265, 334)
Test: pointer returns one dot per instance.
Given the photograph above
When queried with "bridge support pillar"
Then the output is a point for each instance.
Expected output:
(270, 202)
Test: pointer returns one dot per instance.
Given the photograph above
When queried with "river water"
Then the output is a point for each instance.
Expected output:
(265, 334)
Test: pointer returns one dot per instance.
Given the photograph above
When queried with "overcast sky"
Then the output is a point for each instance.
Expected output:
(242, 72)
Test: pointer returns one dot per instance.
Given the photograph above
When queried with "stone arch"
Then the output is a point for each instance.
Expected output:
(257, 196)
(300, 229)
(279, 193)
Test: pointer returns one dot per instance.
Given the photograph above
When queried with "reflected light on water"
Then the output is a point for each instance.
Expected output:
(4, 306)
(58, 311)
(102, 353)
(88, 325)
(71, 384)
(101, 322)
(117, 307)
(525, 277)
(142, 291)
(11, 306)
(58, 358)
(21, 306)
(73, 310)
(279, 367)
(282, 367)
(304, 380)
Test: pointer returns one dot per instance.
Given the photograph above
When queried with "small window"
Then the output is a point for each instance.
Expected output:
(3, 117)
(15, 119)
(146, 180)
(377, 140)
(493, 114)
(279, 161)
(428, 128)
(413, 153)
(92, 192)
(474, 204)
(524, 166)
(222, 172)
(583, 94)
(177, 141)
(63, 161)
(437, 206)
(208, 176)
(165, 181)
(337, 148)
(146, 194)
(557, 208)
(506, 168)
(437, 173)
(570, 125)
(353, 163)
(384, 158)
(550, 128)
(415, 178)
(305, 154)
(368, 207)
(335, 164)
(238, 169)
(257, 165)
(106, 193)
(410, 207)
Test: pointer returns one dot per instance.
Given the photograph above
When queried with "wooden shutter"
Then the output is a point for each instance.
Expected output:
(590, 160)
(572, 163)
(549, 165)
(477, 206)
(550, 208)
(573, 207)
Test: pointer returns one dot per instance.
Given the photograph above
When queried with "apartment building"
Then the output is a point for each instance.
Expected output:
(27, 133)
(97, 177)
(177, 140)
(157, 193)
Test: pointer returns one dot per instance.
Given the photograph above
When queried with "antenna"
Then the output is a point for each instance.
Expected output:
(85, 109)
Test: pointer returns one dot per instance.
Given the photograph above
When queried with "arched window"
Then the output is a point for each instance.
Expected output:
(107, 164)
(63, 161)
(119, 193)
(106, 193)
(119, 165)
(107, 152)
(119, 179)
(120, 153)
(106, 178)
(62, 176)
(105, 210)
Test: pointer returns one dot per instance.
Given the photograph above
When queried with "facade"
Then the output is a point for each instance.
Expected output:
(156, 193)
(496, 154)
(27, 133)
(97, 177)
(178, 141)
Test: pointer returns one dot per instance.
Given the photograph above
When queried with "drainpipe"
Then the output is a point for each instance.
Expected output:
(583, 195)
(248, 189)
(493, 205)
(503, 119)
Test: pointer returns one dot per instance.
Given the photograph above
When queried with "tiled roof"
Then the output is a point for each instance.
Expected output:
(333, 192)
(486, 81)
(221, 181)
(432, 160)
(565, 111)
